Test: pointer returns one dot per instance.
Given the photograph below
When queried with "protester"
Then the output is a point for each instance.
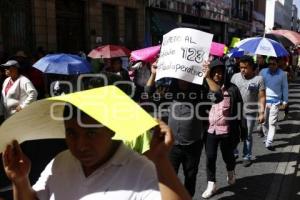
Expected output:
(284, 65)
(97, 167)
(224, 126)
(116, 67)
(17, 90)
(140, 72)
(261, 62)
(252, 89)
(276, 96)
(187, 126)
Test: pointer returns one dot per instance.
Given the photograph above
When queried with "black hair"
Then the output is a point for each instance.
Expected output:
(230, 69)
(263, 56)
(249, 60)
(277, 59)
(117, 59)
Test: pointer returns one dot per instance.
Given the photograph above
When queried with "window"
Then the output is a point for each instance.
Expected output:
(130, 28)
(110, 25)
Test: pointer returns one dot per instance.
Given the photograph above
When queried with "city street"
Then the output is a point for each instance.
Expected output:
(274, 175)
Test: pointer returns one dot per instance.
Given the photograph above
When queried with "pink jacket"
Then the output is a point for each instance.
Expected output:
(218, 116)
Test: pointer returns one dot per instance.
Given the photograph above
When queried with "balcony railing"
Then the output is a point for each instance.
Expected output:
(209, 9)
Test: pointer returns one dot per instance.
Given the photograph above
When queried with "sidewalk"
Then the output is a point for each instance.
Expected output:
(274, 175)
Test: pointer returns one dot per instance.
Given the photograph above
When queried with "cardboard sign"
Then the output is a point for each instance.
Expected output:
(217, 49)
(234, 41)
(182, 54)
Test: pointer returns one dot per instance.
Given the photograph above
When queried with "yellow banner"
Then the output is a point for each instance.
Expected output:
(234, 41)
(108, 105)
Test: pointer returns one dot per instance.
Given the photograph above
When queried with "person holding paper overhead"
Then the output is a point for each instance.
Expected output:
(97, 167)
(225, 125)
(188, 109)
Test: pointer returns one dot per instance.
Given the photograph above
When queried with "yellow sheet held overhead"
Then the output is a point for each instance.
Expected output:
(108, 105)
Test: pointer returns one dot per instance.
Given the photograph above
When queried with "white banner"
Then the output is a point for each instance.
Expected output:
(182, 54)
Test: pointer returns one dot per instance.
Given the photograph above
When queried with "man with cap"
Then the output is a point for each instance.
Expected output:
(17, 90)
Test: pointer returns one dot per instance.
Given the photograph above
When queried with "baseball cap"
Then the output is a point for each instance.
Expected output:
(11, 63)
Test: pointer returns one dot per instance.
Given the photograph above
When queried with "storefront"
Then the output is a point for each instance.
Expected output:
(16, 26)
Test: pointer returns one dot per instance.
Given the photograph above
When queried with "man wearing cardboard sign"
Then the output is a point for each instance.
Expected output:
(96, 166)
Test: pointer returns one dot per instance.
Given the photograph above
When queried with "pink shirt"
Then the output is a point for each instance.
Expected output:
(218, 113)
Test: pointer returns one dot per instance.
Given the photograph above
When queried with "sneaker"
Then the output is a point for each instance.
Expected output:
(231, 177)
(247, 163)
(210, 190)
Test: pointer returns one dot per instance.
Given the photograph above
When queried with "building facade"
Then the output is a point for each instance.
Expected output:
(241, 19)
(294, 20)
(207, 15)
(283, 14)
(70, 25)
(258, 17)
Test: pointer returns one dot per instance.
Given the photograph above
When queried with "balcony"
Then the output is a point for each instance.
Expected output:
(206, 8)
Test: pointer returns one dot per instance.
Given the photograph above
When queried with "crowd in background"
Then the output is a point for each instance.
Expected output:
(228, 83)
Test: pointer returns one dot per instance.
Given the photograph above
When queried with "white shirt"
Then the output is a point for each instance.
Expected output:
(127, 175)
(21, 93)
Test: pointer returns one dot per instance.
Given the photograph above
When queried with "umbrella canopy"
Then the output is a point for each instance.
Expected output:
(148, 54)
(236, 53)
(291, 35)
(262, 46)
(109, 51)
(281, 39)
(66, 64)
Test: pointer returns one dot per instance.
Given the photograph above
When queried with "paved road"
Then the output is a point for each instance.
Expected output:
(274, 175)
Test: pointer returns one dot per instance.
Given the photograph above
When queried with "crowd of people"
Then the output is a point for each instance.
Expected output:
(236, 95)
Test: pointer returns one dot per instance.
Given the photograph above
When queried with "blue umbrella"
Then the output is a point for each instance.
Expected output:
(235, 53)
(66, 64)
(262, 46)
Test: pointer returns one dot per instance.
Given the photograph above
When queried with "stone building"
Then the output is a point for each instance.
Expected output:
(70, 25)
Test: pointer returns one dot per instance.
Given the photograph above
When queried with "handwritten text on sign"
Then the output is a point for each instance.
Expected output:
(182, 54)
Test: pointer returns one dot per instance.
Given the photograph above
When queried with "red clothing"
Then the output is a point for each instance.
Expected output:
(8, 86)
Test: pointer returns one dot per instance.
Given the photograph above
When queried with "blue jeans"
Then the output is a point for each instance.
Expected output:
(248, 143)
